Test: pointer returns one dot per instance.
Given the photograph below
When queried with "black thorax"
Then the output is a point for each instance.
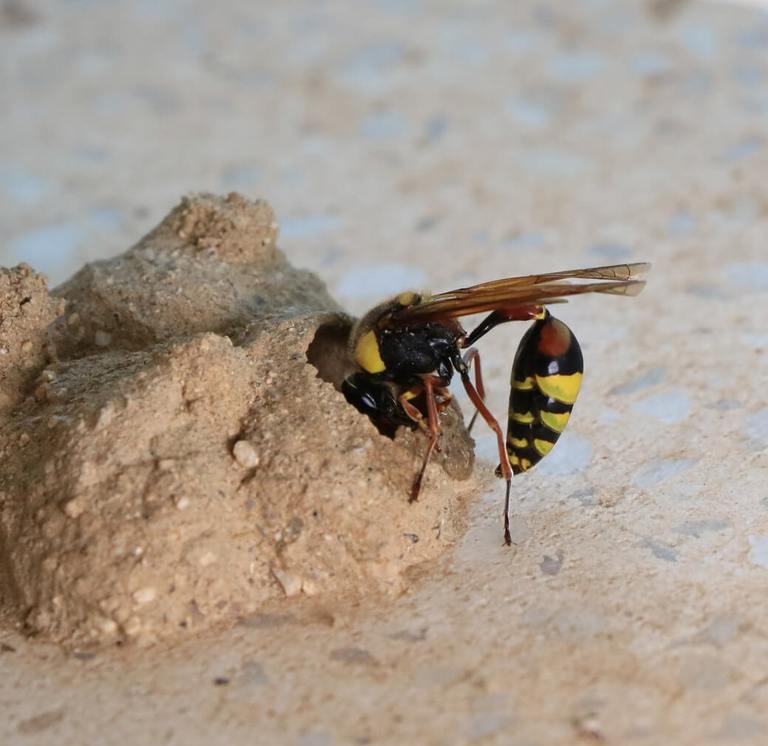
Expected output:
(411, 352)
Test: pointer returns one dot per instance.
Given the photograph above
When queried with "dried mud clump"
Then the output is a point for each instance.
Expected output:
(171, 460)
(26, 312)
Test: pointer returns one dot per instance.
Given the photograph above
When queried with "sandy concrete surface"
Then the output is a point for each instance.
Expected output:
(428, 143)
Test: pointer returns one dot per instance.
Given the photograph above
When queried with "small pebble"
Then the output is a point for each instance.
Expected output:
(309, 587)
(83, 655)
(353, 656)
(590, 727)
(102, 339)
(75, 507)
(144, 595)
(183, 503)
(207, 559)
(26, 347)
(106, 415)
(106, 626)
(291, 584)
(132, 627)
(245, 454)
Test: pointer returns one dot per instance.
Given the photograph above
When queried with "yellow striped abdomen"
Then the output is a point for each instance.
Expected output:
(546, 377)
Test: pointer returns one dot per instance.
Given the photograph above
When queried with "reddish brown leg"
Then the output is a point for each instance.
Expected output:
(473, 356)
(413, 413)
(506, 469)
(433, 434)
(446, 397)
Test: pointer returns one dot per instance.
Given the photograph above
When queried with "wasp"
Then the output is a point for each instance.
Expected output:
(407, 349)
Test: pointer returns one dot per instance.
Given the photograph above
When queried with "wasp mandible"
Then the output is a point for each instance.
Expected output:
(408, 348)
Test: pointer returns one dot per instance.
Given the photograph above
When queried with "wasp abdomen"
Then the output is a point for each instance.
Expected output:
(546, 377)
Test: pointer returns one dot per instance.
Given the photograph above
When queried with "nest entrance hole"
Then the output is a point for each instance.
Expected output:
(328, 352)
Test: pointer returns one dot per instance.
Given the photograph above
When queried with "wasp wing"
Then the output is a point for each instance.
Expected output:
(621, 272)
(529, 290)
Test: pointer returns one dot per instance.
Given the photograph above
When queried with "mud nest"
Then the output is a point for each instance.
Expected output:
(173, 461)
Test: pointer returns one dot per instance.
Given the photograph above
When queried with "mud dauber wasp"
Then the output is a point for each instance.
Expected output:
(408, 348)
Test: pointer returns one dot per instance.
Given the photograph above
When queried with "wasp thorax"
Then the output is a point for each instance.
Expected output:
(408, 298)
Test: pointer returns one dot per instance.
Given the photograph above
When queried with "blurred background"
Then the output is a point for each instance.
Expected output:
(447, 141)
(402, 143)
(435, 143)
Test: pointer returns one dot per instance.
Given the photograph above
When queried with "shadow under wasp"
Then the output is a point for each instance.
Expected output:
(408, 348)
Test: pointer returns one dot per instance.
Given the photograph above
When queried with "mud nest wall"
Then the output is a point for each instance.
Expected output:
(170, 460)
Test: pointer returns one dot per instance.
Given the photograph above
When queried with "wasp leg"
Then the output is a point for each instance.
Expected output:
(446, 397)
(413, 412)
(433, 434)
(506, 469)
(473, 356)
